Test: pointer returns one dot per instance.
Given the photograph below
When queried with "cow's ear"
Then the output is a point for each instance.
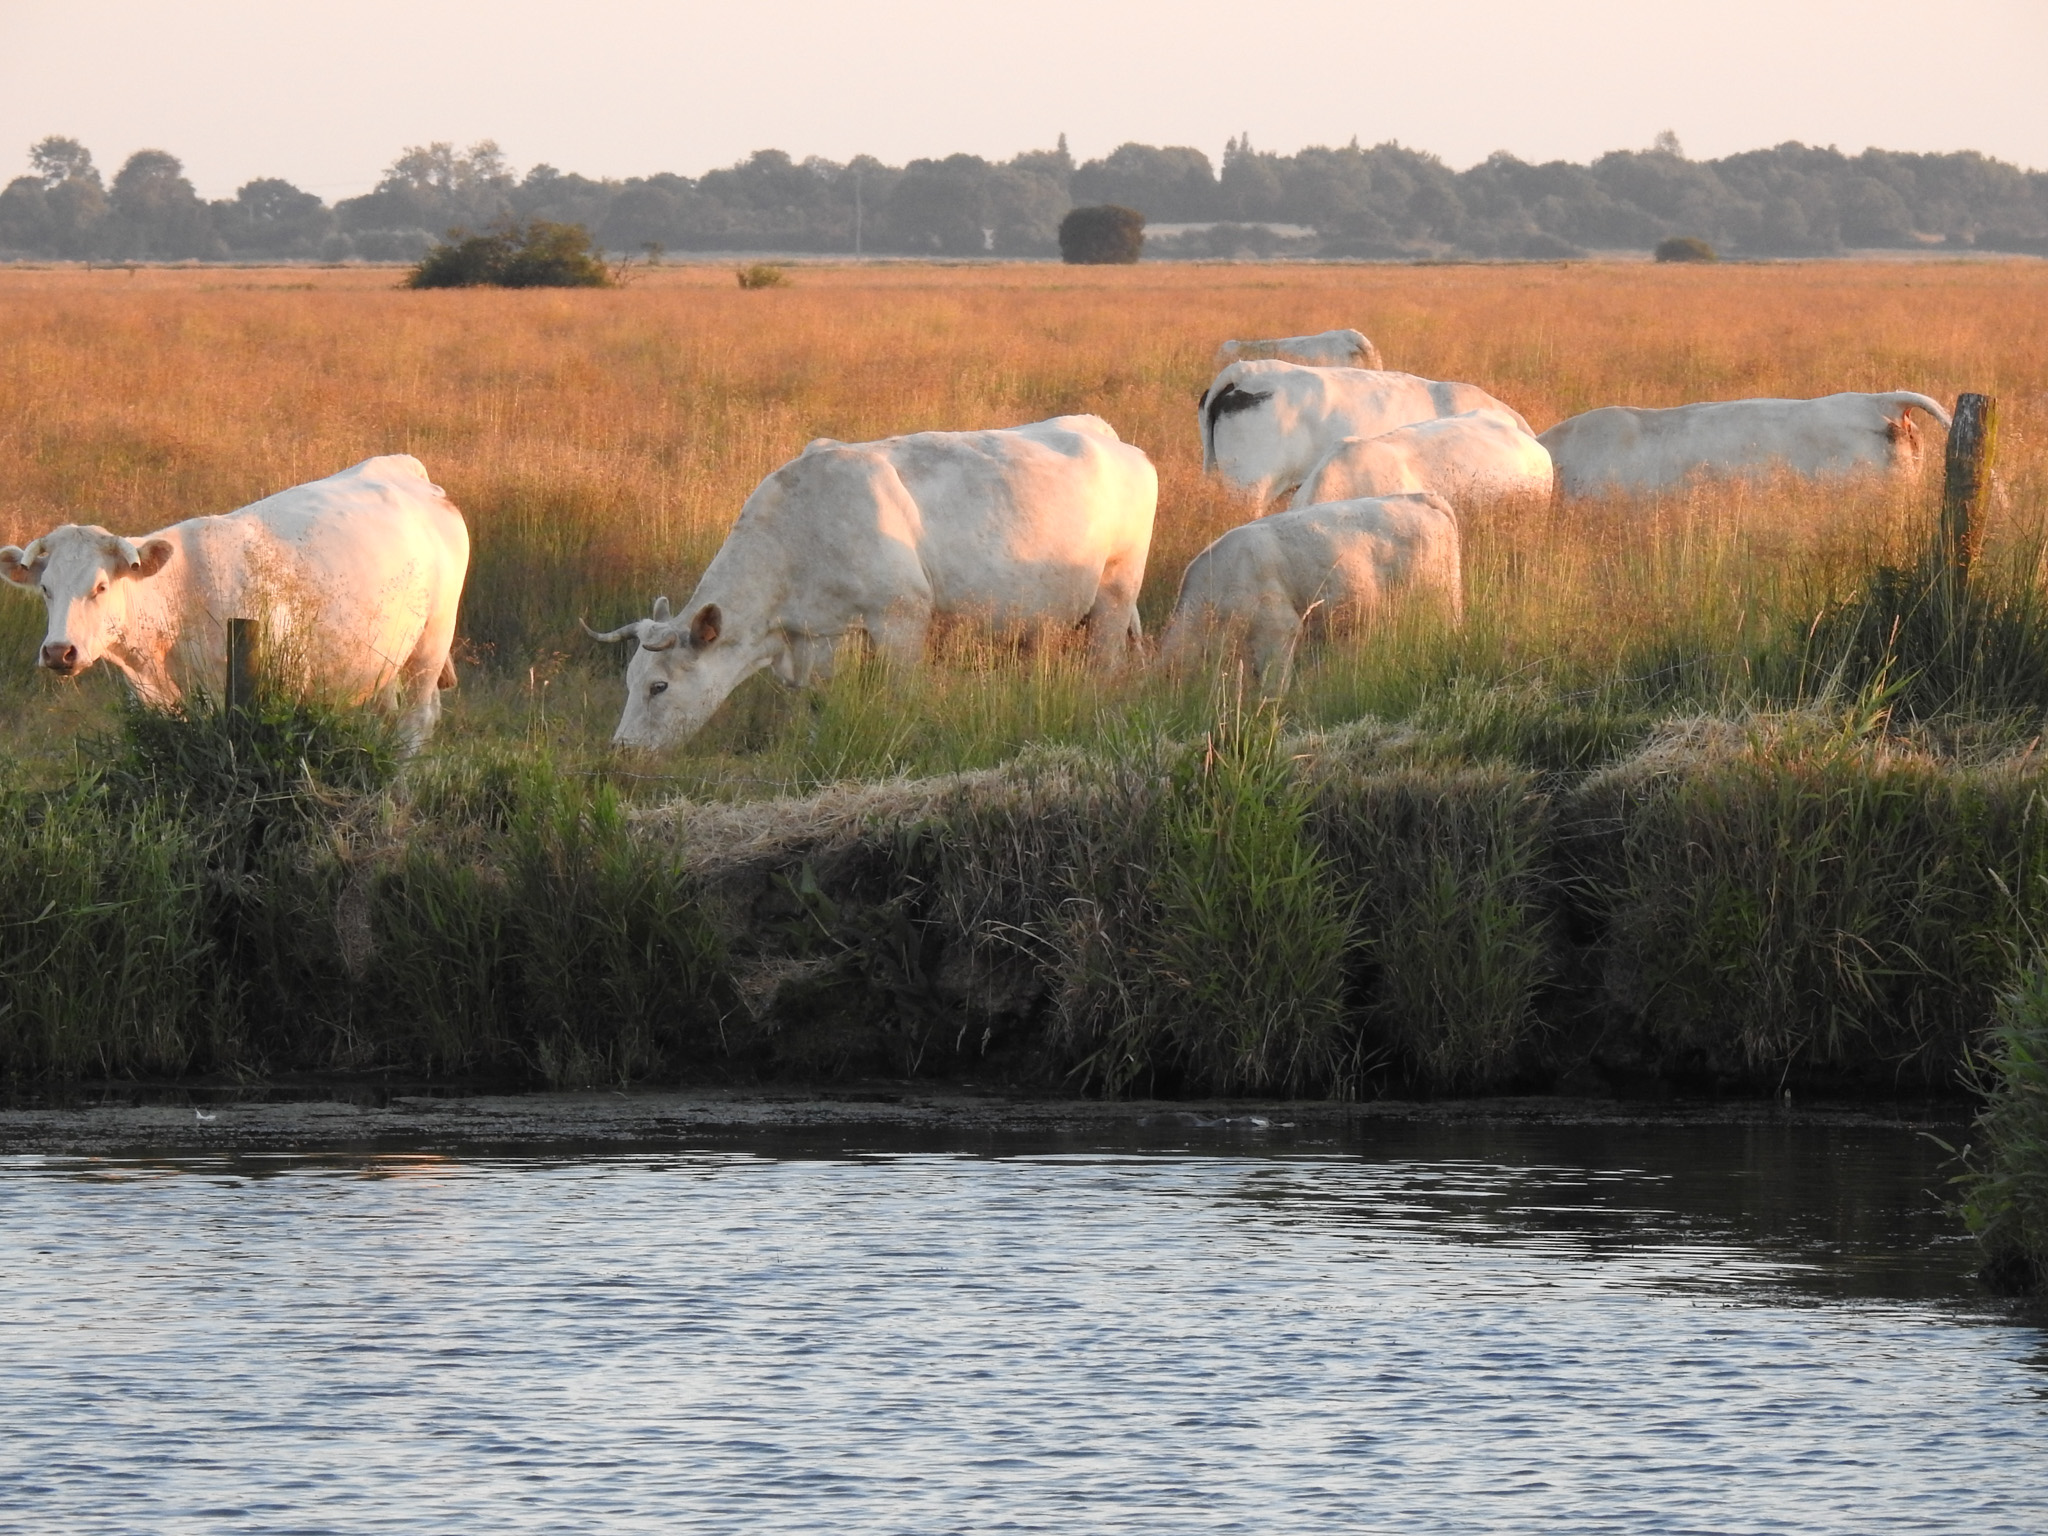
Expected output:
(152, 557)
(19, 566)
(704, 628)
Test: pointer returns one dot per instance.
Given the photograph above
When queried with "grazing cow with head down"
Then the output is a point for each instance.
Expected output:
(1262, 581)
(1620, 449)
(1325, 349)
(1266, 426)
(1043, 524)
(1478, 453)
(355, 580)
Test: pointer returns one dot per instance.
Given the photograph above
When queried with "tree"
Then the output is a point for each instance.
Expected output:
(941, 206)
(1174, 184)
(1105, 235)
(24, 215)
(271, 217)
(156, 212)
(1056, 164)
(1874, 214)
(58, 160)
(434, 186)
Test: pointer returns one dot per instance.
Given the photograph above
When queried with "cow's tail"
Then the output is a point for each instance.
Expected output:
(1907, 400)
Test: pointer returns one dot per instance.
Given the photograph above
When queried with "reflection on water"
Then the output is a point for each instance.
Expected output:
(1436, 1328)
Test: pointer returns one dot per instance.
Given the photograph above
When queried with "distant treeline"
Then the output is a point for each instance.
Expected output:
(1383, 202)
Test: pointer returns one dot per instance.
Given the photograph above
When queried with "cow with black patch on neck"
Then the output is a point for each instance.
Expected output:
(1266, 425)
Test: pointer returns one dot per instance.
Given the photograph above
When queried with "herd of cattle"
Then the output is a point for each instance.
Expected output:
(360, 575)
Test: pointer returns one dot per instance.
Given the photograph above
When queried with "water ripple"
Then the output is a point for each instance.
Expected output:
(936, 1342)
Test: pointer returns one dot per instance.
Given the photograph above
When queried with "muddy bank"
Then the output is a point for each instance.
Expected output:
(184, 1121)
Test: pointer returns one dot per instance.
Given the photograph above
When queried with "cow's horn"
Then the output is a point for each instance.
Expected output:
(661, 613)
(665, 643)
(635, 629)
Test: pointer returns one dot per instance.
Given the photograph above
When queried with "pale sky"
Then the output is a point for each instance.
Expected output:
(328, 94)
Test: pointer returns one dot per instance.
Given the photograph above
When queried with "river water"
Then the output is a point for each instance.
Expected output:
(1405, 1327)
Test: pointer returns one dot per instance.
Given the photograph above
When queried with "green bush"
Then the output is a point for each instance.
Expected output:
(1796, 902)
(1454, 925)
(105, 959)
(2004, 1182)
(540, 939)
(762, 275)
(1934, 644)
(1105, 235)
(1252, 934)
(274, 755)
(1685, 248)
(533, 254)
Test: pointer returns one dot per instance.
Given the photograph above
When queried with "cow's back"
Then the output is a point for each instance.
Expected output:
(1325, 349)
(1024, 520)
(1357, 555)
(1014, 525)
(1478, 453)
(1629, 448)
(349, 571)
(1350, 555)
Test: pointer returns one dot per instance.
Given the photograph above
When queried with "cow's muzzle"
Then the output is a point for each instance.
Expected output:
(61, 657)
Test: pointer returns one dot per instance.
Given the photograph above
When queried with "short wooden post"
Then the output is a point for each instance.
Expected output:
(241, 664)
(1972, 443)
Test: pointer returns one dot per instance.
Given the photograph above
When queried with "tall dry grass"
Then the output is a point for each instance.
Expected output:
(601, 443)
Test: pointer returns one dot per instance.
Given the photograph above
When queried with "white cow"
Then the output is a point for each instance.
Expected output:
(1620, 448)
(1267, 425)
(355, 578)
(1325, 349)
(1477, 453)
(1049, 523)
(1261, 581)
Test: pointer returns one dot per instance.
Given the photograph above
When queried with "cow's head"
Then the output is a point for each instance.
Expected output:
(86, 576)
(677, 678)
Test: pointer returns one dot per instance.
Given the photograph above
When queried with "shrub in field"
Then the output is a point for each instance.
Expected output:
(274, 756)
(1105, 235)
(534, 254)
(762, 275)
(1685, 248)
(2004, 1183)
(1933, 644)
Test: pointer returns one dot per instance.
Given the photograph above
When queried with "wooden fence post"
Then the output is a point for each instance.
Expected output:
(1972, 442)
(241, 664)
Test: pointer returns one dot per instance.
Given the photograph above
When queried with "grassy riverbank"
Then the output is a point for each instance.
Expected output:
(1507, 889)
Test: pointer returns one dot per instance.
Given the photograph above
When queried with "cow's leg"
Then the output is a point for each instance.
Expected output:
(428, 670)
(1271, 638)
(899, 634)
(416, 691)
(418, 700)
(1113, 624)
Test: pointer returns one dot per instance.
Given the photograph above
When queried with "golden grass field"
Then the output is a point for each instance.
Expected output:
(601, 442)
